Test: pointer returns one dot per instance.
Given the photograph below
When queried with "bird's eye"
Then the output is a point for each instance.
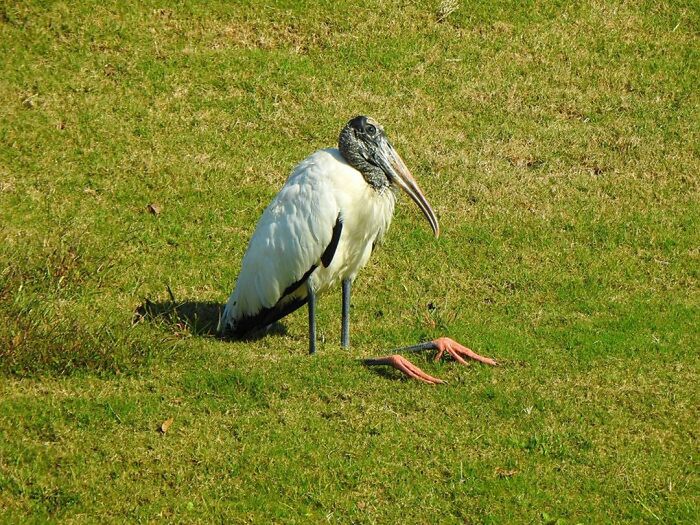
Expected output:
(370, 129)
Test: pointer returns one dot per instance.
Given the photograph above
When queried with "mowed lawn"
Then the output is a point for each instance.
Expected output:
(559, 144)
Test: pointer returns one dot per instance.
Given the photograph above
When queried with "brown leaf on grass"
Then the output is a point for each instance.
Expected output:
(17, 339)
(153, 208)
(503, 473)
(29, 101)
(166, 425)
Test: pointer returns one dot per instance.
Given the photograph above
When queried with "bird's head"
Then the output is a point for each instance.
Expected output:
(365, 147)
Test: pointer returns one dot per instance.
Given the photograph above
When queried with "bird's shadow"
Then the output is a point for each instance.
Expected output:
(199, 318)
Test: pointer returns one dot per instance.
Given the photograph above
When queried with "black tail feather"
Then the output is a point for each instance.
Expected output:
(251, 323)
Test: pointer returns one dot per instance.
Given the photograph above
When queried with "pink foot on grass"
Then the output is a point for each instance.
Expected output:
(444, 345)
(459, 352)
(406, 367)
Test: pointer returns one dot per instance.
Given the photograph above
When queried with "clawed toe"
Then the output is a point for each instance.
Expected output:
(404, 366)
(443, 345)
(459, 352)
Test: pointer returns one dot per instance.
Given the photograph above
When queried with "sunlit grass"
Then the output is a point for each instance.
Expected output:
(559, 147)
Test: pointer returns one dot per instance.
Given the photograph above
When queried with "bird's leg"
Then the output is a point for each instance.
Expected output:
(443, 345)
(312, 318)
(345, 327)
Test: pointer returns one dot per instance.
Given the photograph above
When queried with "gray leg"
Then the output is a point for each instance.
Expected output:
(444, 345)
(420, 347)
(312, 318)
(345, 327)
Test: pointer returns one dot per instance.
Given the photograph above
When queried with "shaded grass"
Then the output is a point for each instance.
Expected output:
(43, 332)
(559, 147)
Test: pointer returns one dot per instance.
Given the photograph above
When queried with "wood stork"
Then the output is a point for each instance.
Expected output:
(319, 231)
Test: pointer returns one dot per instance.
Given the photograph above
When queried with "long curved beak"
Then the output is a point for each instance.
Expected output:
(396, 170)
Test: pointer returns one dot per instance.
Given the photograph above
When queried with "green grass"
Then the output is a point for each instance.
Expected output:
(559, 144)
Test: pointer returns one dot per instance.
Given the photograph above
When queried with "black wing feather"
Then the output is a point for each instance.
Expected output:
(265, 317)
(329, 252)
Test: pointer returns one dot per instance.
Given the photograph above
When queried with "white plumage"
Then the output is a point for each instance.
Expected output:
(297, 227)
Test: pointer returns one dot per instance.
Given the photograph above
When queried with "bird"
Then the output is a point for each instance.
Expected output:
(319, 231)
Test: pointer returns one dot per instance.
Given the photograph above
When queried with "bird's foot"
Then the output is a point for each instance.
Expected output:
(444, 345)
(458, 352)
(405, 366)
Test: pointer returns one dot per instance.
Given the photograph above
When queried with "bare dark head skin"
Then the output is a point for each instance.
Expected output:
(357, 143)
(364, 145)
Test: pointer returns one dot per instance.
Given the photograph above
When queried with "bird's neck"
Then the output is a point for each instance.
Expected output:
(373, 175)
